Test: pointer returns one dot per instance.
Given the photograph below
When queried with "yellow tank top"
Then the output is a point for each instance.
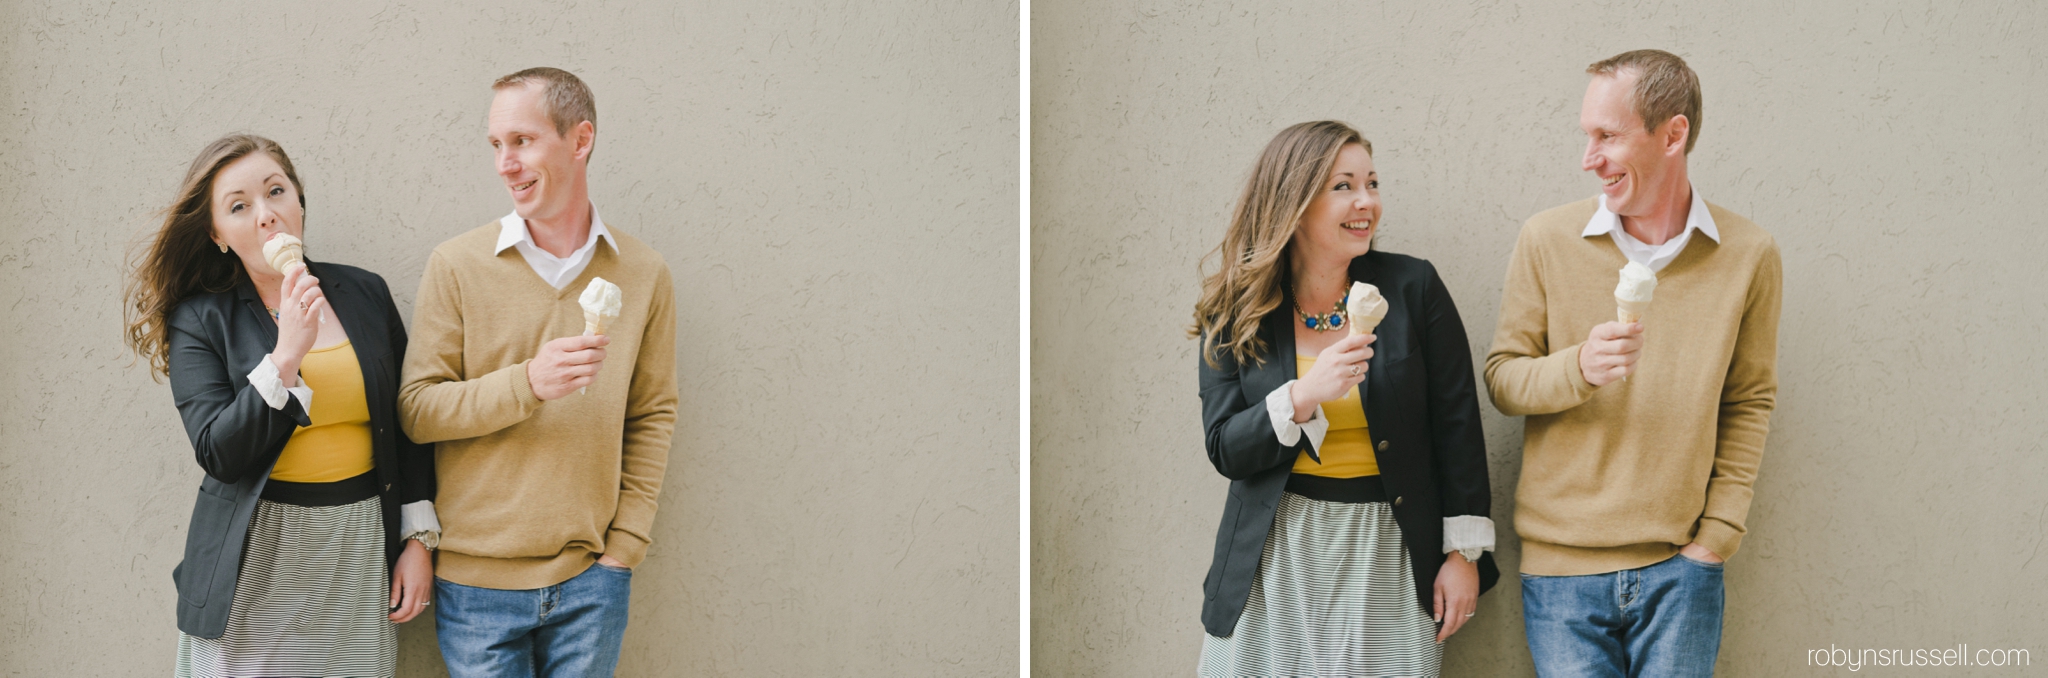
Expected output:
(1347, 448)
(337, 445)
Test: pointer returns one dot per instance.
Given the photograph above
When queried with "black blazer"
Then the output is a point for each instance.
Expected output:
(215, 341)
(1422, 401)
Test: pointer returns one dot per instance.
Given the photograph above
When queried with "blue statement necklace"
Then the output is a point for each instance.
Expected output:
(1322, 323)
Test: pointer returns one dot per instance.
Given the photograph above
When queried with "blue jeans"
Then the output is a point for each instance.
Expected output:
(1660, 620)
(569, 629)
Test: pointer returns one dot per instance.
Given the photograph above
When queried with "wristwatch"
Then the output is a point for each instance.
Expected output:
(428, 538)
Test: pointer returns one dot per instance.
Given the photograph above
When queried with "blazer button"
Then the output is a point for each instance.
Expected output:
(1397, 501)
(1383, 446)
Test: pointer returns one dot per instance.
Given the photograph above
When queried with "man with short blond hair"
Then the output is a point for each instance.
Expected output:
(547, 490)
(1635, 491)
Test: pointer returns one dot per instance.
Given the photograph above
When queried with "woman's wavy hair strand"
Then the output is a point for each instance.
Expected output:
(1252, 280)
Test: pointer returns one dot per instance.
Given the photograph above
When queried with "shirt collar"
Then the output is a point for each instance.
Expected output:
(512, 231)
(1696, 217)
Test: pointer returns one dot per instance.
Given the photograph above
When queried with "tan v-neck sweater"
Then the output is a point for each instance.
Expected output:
(1622, 476)
(532, 492)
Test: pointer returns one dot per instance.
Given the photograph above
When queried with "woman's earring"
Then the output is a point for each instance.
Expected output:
(223, 247)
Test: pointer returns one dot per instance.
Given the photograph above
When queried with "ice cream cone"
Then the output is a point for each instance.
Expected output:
(1630, 311)
(1638, 284)
(1365, 326)
(282, 251)
(1364, 308)
(1632, 296)
(593, 325)
(601, 301)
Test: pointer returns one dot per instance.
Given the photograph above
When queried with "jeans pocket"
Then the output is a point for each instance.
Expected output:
(614, 568)
(1702, 563)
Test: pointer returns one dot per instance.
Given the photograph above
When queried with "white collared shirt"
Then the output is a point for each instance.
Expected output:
(1654, 256)
(555, 271)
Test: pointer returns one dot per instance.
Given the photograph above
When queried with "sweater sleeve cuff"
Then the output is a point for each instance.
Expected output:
(1280, 408)
(1468, 535)
(269, 383)
(1720, 537)
(624, 547)
(1580, 387)
(417, 520)
(522, 389)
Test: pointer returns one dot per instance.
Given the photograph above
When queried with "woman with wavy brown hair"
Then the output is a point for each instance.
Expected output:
(1355, 537)
(287, 382)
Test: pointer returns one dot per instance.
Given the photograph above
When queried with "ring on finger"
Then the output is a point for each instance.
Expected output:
(1354, 370)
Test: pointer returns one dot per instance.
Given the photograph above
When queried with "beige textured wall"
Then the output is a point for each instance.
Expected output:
(834, 187)
(1893, 148)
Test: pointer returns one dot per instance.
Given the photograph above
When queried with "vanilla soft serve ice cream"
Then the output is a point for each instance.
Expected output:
(1632, 295)
(601, 301)
(1365, 308)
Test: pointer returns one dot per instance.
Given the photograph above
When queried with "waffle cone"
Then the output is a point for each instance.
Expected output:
(1630, 312)
(593, 324)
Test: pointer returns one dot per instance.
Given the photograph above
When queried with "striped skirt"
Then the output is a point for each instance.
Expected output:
(1334, 596)
(312, 598)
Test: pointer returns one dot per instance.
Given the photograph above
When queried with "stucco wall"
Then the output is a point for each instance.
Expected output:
(834, 187)
(1892, 148)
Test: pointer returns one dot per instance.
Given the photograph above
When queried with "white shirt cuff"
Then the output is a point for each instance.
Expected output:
(417, 520)
(1468, 535)
(269, 383)
(1280, 407)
